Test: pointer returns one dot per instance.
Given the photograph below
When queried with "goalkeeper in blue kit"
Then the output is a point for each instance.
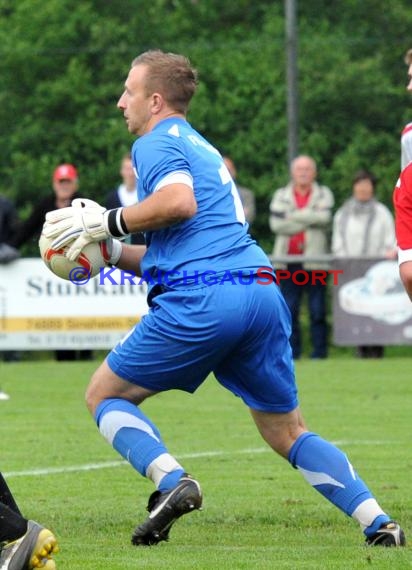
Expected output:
(237, 327)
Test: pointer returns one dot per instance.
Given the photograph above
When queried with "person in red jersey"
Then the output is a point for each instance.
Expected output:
(402, 200)
(406, 137)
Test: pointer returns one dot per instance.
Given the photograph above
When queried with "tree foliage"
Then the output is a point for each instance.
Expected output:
(63, 64)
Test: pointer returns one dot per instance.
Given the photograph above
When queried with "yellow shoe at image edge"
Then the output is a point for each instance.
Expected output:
(33, 550)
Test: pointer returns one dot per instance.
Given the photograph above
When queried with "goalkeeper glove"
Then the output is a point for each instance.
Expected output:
(58, 221)
(82, 223)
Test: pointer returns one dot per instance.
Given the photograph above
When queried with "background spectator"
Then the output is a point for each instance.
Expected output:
(125, 194)
(364, 227)
(246, 195)
(8, 225)
(300, 217)
(8, 220)
(65, 184)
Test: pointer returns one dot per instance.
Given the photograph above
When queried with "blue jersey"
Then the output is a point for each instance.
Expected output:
(215, 240)
(241, 332)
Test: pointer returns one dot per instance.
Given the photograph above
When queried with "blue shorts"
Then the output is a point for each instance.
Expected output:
(239, 332)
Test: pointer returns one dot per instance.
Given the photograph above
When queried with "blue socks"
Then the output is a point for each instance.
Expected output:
(322, 464)
(329, 471)
(138, 440)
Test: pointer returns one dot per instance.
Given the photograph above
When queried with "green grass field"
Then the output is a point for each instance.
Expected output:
(258, 512)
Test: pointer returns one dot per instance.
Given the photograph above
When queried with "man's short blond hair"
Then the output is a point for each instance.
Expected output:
(170, 74)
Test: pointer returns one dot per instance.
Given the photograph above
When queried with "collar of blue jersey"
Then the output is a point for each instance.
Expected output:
(171, 121)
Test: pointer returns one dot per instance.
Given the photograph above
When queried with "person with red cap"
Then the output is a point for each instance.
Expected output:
(65, 182)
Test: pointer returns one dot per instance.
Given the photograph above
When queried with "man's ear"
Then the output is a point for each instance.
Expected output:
(157, 103)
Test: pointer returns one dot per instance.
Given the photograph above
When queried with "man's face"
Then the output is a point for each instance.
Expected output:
(65, 188)
(303, 172)
(409, 86)
(134, 103)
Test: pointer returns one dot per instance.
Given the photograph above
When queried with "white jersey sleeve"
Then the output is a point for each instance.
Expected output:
(406, 146)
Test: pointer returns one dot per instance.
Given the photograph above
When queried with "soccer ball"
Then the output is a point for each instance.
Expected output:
(93, 256)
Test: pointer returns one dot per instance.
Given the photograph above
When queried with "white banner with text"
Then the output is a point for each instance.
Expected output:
(39, 311)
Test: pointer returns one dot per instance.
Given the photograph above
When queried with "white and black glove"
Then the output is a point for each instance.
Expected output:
(59, 221)
(83, 222)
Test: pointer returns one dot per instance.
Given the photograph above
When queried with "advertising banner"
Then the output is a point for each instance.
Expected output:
(39, 311)
(370, 306)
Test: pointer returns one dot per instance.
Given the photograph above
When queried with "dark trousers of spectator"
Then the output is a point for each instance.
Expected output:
(294, 289)
(370, 351)
(69, 355)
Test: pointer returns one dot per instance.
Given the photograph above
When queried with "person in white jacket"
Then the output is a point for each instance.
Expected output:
(364, 227)
(301, 217)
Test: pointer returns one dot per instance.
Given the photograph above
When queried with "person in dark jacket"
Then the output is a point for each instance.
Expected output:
(8, 220)
(65, 183)
(8, 226)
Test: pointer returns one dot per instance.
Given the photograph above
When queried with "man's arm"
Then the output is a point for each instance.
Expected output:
(165, 207)
(169, 205)
(337, 245)
(406, 146)
(402, 200)
(318, 213)
(311, 217)
(279, 215)
(131, 258)
(285, 226)
(86, 221)
(405, 272)
(289, 221)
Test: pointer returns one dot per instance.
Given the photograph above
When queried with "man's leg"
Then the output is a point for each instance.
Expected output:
(329, 471)
(292, 293)
(113, 403)
(317, 312)
(12, 524)
(6, 496)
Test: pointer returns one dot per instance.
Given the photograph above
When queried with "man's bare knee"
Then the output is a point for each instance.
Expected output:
(280, 431)
(94, 391)
(91, 395)
(106, 384)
